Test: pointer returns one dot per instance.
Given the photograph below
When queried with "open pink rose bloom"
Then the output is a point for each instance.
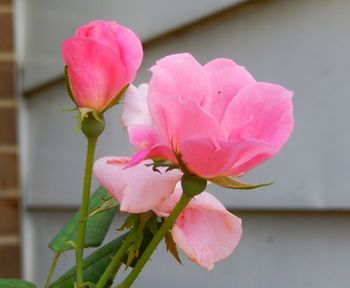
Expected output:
(219, 119)
(205, 230)
(101, 59)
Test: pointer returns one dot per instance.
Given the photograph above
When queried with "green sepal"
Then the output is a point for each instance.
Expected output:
(68, 84)
(84, 113)
(93, 265)
(157, 163)
(232, 183)
(115, 99)
(96, 228)
(16, 283)
(171, 246)
(193, 185)
(92, 124)
(70, 109)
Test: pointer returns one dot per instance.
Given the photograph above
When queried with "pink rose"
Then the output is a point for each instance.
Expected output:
(101, 59)
(205, 230)
(216, 117)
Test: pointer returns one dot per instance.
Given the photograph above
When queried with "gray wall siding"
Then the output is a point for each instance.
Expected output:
(288, 251)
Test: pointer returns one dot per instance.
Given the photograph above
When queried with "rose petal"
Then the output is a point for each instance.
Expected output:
(158, 151)
(226, 79)
(208, 157)
(143, 136)
(135, 108)
(165, 207)
(180, 120)
(262, 111)
(178, 76)
(134, 187)
(116, 36)
(205, 230)
(95, 71)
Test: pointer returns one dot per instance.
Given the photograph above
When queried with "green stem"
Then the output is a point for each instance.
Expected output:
(113, 267)
(167, 224)
(52, 269)
(84, 210)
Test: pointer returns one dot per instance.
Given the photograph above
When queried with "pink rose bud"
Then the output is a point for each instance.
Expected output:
(102, 58)
(217, 117)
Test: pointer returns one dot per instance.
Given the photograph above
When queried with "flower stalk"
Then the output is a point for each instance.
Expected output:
(92, 128)
(52, 269)
(113, 268)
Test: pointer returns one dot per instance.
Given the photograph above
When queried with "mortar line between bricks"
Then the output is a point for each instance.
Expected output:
(9, 239)
(9, 194)
(7, 56)
(12, 103)
(6, 8)
(8, 149)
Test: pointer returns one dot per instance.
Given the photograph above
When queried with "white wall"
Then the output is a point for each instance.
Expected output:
(303, 45)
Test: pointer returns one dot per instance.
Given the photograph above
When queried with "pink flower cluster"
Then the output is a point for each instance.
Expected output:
(216, 118)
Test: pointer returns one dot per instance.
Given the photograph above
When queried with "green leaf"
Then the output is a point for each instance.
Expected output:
(171, 246)
(139, 247)
(96, 227)
(15, 283)
(231, 183)
(93, 266)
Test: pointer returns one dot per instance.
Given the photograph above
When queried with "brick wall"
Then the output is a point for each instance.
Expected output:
(9, 192)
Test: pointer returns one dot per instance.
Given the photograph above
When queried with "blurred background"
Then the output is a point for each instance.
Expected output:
(296, 232)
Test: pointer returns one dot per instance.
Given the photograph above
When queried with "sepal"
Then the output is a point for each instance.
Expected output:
(68, 84)
(171, 246)
(92, 123)
(193, 185)
(228, 182)
(160, 163)
(115, 100)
